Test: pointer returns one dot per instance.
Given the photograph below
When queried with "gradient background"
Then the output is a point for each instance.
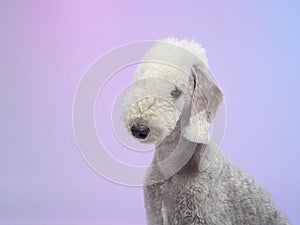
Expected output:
(253, 49)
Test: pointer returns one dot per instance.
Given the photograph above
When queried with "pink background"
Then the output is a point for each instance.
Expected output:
(253, 49)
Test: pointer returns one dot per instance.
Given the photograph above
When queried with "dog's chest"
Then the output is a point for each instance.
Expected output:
(191, 201)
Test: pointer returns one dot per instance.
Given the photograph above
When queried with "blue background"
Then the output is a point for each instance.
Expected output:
(253, 49)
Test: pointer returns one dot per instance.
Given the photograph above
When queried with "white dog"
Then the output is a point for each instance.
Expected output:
(172, 103)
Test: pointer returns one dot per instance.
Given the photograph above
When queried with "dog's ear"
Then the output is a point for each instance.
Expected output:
(204, 106)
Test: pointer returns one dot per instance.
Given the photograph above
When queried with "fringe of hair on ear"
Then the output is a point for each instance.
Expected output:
(198, 129)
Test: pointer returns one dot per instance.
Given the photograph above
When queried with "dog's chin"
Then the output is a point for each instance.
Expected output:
(149, 140)
(146, 141)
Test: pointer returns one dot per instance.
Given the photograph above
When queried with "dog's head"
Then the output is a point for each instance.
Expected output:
(163, 94)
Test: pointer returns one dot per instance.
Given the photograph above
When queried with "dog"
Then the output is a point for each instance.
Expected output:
(172, 103)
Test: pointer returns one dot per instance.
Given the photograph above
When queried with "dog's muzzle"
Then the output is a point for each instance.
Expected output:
(140, 131)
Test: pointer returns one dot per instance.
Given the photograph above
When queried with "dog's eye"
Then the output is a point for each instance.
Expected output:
(176, 93)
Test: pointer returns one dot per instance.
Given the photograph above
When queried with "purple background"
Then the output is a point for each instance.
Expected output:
(253, 49)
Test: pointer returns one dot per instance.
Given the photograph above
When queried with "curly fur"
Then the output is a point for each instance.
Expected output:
(209, 189)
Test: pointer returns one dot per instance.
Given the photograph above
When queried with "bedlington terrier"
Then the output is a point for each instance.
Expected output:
(172, 103)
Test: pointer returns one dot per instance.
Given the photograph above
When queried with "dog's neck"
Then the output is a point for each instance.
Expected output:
(201, 155)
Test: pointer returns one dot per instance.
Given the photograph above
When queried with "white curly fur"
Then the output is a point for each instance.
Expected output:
(209, 189)
(198, 129)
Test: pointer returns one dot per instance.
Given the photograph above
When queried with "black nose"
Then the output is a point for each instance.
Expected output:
(140, 131)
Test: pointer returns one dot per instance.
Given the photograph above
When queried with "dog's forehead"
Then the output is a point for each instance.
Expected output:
(152, 86)
(165, 73)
